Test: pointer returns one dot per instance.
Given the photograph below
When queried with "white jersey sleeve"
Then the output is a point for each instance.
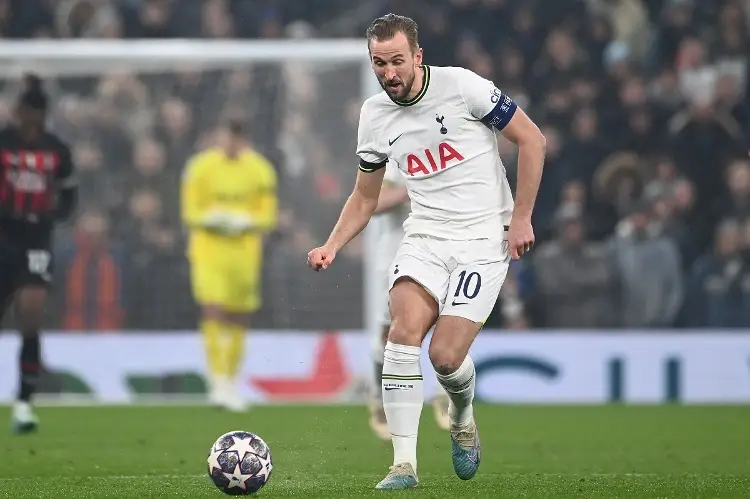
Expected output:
(372, 154)
(485, 101)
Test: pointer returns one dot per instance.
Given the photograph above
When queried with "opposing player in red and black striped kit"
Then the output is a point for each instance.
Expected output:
(37, 189)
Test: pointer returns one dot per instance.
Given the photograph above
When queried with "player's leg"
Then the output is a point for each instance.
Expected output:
(33, 277)
(440, 406)
(235, 327)
(378, 339)
(473, 291)
(212, 329)
(378, 422)
(419, 283)
(209, 292)
(455, 371)
(414, 312)
(243, 298)
(29, 307)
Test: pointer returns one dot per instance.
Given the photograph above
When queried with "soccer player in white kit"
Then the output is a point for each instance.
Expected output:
(393, 209)
(437, 124)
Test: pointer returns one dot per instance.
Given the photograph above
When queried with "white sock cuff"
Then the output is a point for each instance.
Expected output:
(402, 350)
(465, 370)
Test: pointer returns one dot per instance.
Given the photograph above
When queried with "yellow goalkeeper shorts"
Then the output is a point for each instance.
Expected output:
(232, 284)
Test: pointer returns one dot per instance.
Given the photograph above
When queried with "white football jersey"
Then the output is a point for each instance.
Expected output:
(449, 158)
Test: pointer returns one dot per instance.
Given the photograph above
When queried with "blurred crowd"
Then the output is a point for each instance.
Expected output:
(642, 220)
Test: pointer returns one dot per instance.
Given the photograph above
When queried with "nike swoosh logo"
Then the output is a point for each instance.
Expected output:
(455, 303)
(391, 142)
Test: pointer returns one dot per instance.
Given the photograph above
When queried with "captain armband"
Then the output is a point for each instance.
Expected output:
(368, 167)
(501, 114)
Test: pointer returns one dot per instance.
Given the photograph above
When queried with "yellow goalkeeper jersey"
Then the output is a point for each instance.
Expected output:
(245, 184)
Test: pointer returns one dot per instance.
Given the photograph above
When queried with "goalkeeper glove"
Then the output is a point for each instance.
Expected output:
(230, 224)
(239, 223)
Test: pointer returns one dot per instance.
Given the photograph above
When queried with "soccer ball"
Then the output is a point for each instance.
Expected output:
(239, 463)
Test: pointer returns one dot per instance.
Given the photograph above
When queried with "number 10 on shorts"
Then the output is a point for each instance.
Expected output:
(473, 290)
(468, 287)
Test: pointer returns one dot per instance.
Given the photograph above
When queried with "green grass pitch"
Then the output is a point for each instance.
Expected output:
(329, 452)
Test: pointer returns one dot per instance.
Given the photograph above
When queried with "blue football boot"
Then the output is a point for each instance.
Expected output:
(466, 450)
(400, 476)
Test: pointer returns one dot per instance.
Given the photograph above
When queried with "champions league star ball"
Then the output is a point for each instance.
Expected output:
(239, 463)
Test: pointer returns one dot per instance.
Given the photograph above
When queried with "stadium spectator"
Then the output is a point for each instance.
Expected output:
(575, 279)
(651, 279)
(719, 291)
(515, 307)
(91, 270)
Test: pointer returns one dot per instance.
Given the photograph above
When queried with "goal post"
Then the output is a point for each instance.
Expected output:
(341, 62)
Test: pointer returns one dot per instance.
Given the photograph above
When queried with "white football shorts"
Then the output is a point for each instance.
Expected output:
(464, 277)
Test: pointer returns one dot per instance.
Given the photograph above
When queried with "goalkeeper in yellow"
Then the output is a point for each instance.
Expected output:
(228, 203)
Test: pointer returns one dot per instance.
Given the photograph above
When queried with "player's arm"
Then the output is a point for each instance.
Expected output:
(361, 204)
(532, 147)
(358, 209)
(497, 110)
(266, 214)
(67, 186)
(193, 200)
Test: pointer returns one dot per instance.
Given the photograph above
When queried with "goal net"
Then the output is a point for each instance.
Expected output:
(135, 111)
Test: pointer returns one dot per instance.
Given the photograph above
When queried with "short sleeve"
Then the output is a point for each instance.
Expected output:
(370, 157)
(485, 101)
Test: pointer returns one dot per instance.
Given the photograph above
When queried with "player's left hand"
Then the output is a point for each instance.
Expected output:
(520, 236)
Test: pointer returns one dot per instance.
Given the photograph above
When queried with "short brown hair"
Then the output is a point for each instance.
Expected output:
(387, 26)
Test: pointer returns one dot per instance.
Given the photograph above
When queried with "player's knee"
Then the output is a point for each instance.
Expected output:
(213, 313)
(29, 311)
(445, 360)
(402, 332)
(29, 321)
(240, 319)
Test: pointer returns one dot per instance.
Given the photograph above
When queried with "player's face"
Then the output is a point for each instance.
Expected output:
(395, 65)
(230, 142)
(30, 121)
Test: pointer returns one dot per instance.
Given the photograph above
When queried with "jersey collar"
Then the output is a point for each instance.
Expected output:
(422, 91)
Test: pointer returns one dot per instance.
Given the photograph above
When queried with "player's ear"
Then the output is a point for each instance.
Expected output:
(418, 56)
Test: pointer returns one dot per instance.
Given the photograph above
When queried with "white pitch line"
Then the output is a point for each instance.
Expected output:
(99, 477)
(340, 475)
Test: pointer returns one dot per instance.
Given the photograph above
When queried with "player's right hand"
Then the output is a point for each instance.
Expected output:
(320, 258)
(520, 236)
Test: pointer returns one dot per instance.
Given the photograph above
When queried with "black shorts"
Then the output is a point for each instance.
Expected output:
(23, 263)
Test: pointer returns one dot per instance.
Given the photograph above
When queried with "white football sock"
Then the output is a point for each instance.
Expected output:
(403, 398)
(460, 387)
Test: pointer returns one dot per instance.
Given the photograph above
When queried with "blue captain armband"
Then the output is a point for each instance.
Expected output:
(501, 114)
